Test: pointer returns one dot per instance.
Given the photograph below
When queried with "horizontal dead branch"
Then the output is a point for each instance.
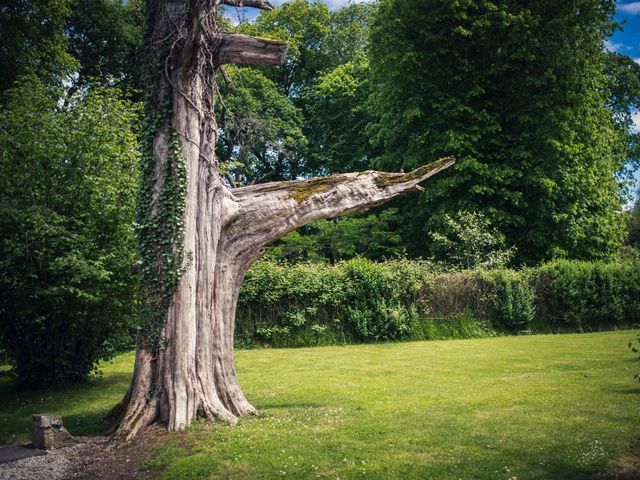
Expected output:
(268, 211)
(245, 49)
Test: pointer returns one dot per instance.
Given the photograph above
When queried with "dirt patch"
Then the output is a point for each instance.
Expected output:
(626, 468)
(102, 460)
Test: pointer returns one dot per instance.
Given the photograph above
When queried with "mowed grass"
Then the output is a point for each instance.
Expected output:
(536, 407)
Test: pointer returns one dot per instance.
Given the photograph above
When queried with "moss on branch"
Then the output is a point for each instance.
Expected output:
(304, 189)
(421, 173)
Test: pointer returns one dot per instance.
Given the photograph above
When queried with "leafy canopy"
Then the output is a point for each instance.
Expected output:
(518, 92)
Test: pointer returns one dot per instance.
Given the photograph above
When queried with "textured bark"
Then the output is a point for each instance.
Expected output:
(225, 230)
(238, 48)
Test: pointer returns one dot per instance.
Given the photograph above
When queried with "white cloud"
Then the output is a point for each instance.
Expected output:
(613, 46)
(637, 60)
(636, 121)
(632, 8)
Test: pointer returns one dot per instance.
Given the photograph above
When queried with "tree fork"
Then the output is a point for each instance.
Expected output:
(190, 372)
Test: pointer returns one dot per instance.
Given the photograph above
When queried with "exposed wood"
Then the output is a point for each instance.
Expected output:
(261, 4)
(245, 49)
(269, 211)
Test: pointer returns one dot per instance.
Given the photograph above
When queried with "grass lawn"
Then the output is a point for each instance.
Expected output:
(537, 407)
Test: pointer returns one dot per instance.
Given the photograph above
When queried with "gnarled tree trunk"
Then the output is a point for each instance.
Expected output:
(190, 371)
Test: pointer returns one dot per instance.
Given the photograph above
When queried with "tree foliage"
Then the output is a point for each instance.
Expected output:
(33, 40)
(324, 81)
(261, 135)
(72, 42)
(308, 117)
(518, 91)
(470, 241)
(633, 229)
(623, 82)
(105, 37)
(372, 235)
(67, 183)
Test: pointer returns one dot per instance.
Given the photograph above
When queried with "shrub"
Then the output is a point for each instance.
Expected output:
(514, 307)
(364, 301)
(587, 296)
(67, 181)
(373, 308)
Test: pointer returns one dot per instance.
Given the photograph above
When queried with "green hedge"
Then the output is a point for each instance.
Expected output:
(359, 301)
(584, 296)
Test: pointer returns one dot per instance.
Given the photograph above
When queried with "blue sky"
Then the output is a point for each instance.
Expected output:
(627, 42)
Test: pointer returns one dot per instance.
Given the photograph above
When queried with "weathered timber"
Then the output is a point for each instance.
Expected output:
(245, 49)
(261, 4)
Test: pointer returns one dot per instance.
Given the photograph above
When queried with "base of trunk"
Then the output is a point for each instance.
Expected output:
(156, 397)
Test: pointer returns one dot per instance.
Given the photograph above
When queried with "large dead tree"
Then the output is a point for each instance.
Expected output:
(184, 360)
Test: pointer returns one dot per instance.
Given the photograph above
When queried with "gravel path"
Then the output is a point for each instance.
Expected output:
(55, 465)
(91, 458)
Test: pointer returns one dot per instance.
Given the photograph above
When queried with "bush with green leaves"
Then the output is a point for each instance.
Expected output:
(586, 296)
(317, 304)
(515, 302)
(468, 240)
(373, 308)
(363, 301)
(68, 172)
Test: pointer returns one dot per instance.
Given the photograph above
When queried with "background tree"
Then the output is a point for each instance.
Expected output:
(303, 25)
(67, 181)
(68, 138)
(623, 82)
(324, 79)
(372, 235)
(33, 41)
(519, 90)
(325, 82)
(633, 229)
(336, 107)
(105, 37)
(470, 241)
(71, 42)
(338, 115)
(261, 135)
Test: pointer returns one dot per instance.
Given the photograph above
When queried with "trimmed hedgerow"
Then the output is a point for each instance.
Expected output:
(586, 296)
(357, 301)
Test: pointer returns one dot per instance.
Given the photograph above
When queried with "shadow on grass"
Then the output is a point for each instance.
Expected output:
(286, 406)
(625, 391)
(82, 406)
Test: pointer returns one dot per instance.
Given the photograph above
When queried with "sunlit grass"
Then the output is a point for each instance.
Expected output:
(535, 407)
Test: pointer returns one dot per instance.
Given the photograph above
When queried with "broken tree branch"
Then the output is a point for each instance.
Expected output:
(267, 212)
(245, 49)
(261, 4)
